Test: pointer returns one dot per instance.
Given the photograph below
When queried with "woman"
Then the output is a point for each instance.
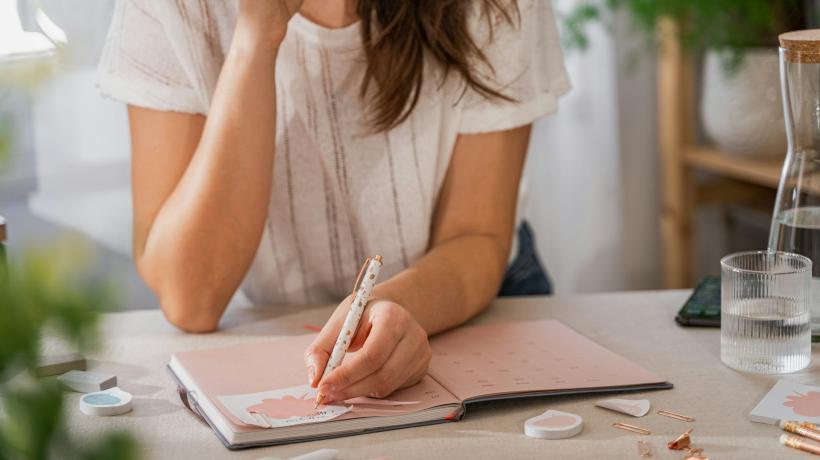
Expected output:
(278, 143)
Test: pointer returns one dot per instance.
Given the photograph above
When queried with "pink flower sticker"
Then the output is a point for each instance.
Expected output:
(284, 408)
(807, 405)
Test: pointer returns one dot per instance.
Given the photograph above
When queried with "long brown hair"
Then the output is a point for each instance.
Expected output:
(401, 32)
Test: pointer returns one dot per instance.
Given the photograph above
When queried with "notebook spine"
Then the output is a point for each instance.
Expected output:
(188, 399)
(456, 415)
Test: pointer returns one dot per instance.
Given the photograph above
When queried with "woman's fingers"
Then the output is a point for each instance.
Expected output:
(317, 354)
(377, 348)
(394, 353)
(361, 335)
(405, 367)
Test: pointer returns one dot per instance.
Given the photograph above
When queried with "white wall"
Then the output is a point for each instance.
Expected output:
(82, 158)
(592, 172)
(80, 139)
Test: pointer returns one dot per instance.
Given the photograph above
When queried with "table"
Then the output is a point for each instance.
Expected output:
(639, 325)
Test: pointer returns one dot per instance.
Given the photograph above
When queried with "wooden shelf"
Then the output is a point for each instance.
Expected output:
(739, 180)
(760, 171)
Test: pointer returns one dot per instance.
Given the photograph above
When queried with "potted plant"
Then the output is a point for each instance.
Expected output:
(741, 109)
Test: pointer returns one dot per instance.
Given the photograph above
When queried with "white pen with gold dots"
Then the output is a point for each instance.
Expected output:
(362, 289)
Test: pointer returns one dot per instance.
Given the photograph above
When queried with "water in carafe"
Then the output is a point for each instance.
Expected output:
(796, 218)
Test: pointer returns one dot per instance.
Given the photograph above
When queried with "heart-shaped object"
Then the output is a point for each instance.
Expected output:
(633, 407)
(553, 424)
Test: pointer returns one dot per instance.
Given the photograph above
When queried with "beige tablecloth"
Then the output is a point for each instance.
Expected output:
(639, 325)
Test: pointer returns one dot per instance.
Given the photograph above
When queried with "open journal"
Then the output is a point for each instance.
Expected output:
(255, 394)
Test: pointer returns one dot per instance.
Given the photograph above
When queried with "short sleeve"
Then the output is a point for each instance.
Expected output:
(139, 65)
(527, 66)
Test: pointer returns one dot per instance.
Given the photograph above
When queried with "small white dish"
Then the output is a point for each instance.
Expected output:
(554, 424)
(112, 401)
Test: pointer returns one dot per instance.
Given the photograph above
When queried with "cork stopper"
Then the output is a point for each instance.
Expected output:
(801, 46)
(2, 229)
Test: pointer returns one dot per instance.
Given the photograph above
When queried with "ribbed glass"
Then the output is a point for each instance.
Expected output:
(765, 321)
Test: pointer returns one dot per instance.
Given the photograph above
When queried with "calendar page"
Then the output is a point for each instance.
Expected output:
(526, 357)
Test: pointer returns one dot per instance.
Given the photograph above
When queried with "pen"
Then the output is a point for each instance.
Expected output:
(362, 289)
(796, 442)
(797, 428)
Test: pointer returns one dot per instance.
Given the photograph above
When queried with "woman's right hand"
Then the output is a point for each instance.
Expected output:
(265, 21)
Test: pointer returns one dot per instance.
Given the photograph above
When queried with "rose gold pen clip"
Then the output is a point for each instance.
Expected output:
(358, 281)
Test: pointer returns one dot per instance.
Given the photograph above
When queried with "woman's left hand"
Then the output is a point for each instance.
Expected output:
(389, 351)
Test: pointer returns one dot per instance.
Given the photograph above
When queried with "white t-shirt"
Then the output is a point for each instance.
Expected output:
(339, 194)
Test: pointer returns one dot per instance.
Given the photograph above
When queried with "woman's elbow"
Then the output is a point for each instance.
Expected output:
(191, 307)
(195, 316)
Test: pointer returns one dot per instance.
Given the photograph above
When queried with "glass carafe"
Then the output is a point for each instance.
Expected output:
(796, 218)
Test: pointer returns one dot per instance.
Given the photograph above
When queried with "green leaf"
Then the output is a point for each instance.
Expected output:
(44, 292)
(31, 419)
(729, 25)
(5, 141)
(115, 446)
(575, 25)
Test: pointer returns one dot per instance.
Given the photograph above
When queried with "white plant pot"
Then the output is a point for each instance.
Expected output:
(742, 113)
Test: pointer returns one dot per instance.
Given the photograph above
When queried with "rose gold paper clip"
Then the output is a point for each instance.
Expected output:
(632, 428)
(676, 416)
(695, 454)
(644, 449)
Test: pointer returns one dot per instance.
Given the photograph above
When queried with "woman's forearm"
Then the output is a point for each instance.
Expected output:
(453, 282)
(461, 273)
(205, 235)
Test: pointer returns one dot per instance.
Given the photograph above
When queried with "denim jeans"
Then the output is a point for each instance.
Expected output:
(525, 275)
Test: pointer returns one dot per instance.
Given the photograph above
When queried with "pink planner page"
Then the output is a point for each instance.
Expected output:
(278, 363)
(535, 356)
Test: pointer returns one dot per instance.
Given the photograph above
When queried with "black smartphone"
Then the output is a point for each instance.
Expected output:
(703, 306)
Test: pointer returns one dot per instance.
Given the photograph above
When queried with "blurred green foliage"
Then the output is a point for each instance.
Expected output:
(729, 26)
(47, 293)
(5, 141)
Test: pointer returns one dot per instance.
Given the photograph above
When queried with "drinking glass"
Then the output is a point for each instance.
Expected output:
(765, 319)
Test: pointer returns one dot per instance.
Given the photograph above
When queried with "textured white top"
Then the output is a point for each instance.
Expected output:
(339, 194)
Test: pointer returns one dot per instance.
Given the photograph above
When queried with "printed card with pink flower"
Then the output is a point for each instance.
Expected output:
(283, 407)
(788, 400)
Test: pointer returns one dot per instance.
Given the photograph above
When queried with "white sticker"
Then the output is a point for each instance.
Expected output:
(633, 407)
